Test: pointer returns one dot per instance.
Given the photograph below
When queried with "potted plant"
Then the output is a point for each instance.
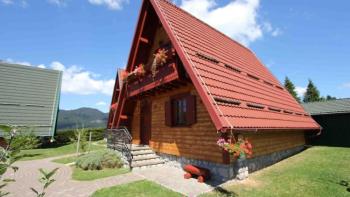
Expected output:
(160, 58)
(137, 73)
(240, 148)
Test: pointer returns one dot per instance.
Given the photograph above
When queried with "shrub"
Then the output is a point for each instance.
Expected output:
(25, 139)
(99, 160)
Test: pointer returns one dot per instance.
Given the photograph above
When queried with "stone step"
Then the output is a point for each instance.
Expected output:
(141, 152)
(145, 157)
(139, 147)
(145, 163)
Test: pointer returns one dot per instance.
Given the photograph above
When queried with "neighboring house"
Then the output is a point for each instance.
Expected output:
(334, 117)
(208, 87)
(29, 97)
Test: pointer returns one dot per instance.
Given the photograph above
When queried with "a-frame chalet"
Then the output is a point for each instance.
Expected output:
(186, 85)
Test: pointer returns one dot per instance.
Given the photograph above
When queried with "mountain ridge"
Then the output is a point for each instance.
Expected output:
(82, 117)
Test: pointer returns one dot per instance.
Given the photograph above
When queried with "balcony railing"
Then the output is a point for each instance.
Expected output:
(165, 74)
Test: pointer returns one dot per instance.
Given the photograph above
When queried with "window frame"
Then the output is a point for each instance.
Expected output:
(188, 102)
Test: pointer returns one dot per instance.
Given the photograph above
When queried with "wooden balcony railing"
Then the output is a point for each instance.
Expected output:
(165, 74)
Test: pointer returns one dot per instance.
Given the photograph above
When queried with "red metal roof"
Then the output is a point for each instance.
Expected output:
(224, 71)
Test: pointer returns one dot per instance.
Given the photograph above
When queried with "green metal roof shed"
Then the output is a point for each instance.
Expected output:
(334, 118)
(29, 97)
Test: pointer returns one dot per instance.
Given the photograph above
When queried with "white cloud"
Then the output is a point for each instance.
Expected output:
(101, 103)
(346, 85)
(276, 32)
(7, 2)
(57, 2)
(237, 19)
(300, 91)
(12, 61)
(22, 3)
(78, 81)
(111, 4)
(41, 66)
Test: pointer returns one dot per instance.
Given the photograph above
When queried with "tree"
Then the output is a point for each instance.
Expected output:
(291, 88)
(329, 98)
(312, 94)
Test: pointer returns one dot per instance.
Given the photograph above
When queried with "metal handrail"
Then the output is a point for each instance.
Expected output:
(124, 138)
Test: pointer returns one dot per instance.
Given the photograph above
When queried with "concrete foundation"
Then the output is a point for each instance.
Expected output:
(239, 169)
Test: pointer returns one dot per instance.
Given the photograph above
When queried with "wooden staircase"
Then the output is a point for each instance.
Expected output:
(144, 156)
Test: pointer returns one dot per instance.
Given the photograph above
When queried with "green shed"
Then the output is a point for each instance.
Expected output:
(29, 97)
(334, 117)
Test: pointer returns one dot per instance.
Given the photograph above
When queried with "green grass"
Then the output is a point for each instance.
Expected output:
(101, 142)
(139, 188)
(66, 160)
(88, 175)
(314, 172)
(41, 153)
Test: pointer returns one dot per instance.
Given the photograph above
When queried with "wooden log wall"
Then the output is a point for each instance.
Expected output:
(199, 140)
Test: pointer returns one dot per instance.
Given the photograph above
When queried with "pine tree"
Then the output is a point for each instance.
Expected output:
(312, 94)
(291, 88)
(329, 98)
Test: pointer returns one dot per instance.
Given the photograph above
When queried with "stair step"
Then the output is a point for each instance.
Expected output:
(145, 157)
(147, 163)
(136, 148)
(141, 152)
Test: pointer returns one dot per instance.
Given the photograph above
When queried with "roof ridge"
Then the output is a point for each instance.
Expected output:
(326, 101)
(211, 27)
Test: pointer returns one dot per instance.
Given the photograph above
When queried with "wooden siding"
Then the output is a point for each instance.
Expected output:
(135, 125)
(29, 96)
(266, 142)
(199, 140)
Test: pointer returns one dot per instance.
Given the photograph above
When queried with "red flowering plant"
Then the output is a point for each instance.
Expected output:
(240, 148)
(160, 58)
(138, 72)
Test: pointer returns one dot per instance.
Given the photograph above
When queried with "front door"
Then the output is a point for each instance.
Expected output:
(145, 121)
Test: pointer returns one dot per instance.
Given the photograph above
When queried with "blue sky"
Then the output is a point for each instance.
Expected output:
(90, 39)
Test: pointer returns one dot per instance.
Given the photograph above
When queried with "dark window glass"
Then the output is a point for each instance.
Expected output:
(179, 110)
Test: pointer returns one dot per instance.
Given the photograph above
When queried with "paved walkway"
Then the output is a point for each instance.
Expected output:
(173, 178)
(27, 176)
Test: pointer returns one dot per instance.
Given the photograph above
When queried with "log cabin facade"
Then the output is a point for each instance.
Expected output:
(186, 85)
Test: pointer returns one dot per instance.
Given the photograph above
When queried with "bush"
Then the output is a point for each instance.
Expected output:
(68, 136)
(99, 160)
(25, 139)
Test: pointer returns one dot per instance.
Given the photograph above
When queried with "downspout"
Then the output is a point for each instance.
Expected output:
(55, 113)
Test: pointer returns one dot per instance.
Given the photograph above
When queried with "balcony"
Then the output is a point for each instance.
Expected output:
(165, 74)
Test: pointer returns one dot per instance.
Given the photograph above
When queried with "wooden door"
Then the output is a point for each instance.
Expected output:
(145, 121)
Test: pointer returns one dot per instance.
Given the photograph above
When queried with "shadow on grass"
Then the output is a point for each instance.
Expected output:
(53, 145)
(223, 192)
(27, 156)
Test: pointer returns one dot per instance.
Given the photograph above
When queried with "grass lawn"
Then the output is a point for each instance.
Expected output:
(315, 172)
(139, 188)
(41, 153)
(66, 160)
(88, 175)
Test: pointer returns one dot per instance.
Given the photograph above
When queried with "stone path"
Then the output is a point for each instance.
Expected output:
(27, 176)
(173, 178)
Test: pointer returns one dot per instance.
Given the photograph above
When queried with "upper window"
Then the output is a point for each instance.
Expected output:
(180, 110)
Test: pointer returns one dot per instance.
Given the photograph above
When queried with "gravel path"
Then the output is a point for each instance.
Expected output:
(28, 174)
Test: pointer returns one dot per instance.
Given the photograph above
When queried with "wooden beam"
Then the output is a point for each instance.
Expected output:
(144, 40)
(139, 38)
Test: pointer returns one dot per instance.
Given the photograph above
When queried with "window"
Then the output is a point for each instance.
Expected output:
(180, 110)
